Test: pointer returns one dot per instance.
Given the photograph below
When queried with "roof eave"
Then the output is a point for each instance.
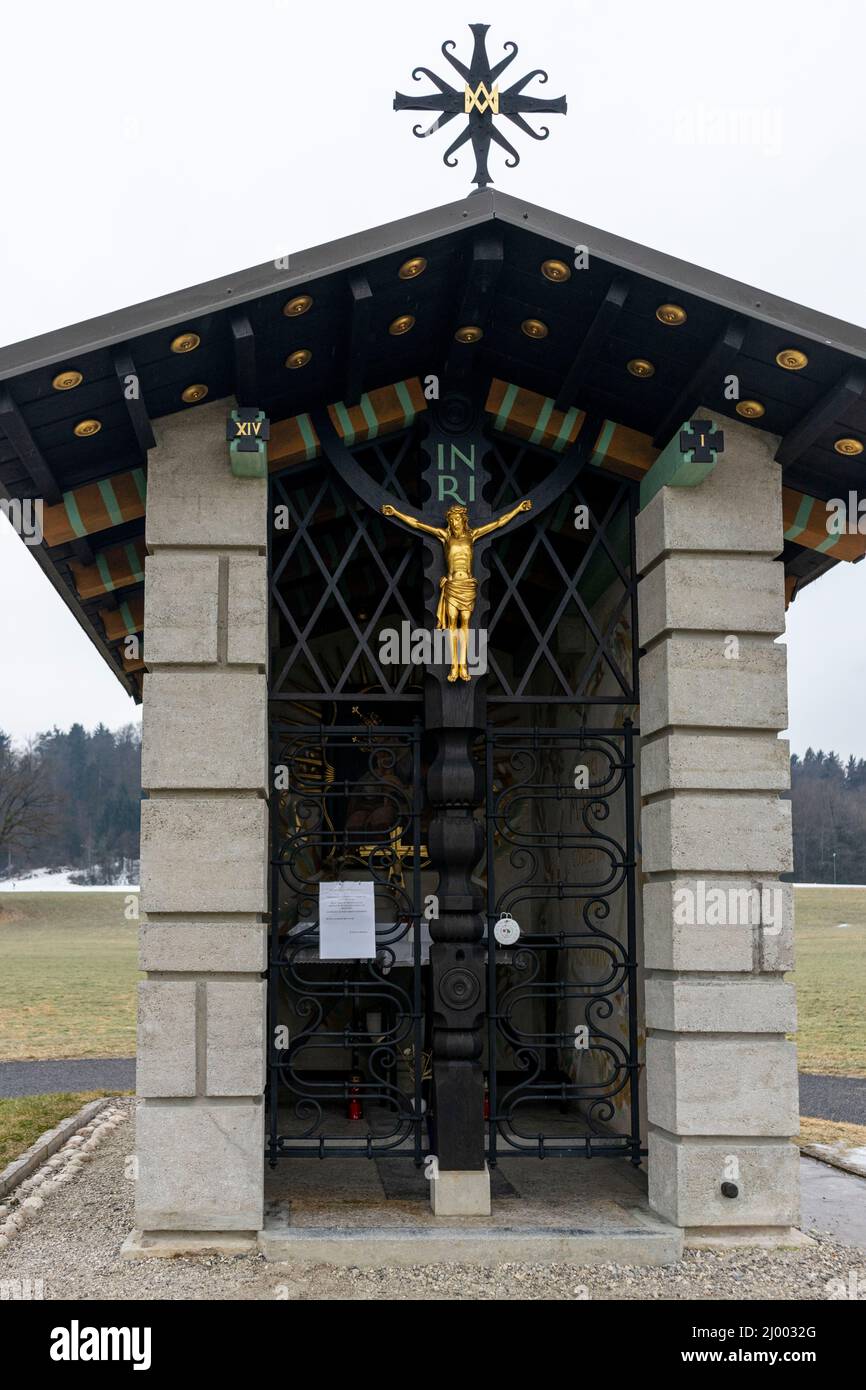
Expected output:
(405, 234)
(42, 556)
(229, 291)
(683, 275)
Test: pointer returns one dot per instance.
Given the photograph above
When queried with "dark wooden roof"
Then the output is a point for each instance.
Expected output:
(484, 257)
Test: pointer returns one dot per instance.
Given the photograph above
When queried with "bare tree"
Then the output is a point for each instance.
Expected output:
(24, 799)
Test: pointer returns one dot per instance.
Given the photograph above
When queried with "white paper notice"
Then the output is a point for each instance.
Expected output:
(347, 921)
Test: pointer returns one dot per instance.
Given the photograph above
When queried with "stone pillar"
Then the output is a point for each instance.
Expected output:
(721, 1077)
(204, 845)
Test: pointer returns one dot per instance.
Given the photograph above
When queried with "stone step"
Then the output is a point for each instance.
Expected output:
(472, 1242)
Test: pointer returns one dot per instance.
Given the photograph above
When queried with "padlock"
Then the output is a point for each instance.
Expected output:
(506, 930)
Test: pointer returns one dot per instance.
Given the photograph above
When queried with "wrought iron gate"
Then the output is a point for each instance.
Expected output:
(346, 1038)
(572, 890)
(351, 1042)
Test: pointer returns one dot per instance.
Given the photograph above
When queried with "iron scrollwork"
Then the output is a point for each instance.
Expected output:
(561, 858)
(350, 1077)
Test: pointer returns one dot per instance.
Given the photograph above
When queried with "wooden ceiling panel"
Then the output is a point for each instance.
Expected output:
(596, 379)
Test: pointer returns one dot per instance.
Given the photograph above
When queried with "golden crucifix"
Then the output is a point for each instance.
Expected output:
(458, 587)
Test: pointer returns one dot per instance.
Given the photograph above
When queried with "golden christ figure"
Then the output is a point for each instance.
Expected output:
(458, 586)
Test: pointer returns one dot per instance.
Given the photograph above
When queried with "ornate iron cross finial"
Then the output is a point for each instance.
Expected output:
(480, 100)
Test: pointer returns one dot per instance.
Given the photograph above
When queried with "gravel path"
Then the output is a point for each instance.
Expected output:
(841, 1098)
(67, 1074)
(71, 1243)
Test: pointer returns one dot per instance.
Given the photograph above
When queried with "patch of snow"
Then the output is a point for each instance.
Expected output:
(839, 1155)
(57, 881)
(830, 885)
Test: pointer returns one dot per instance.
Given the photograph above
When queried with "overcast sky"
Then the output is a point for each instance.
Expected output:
(150, 148)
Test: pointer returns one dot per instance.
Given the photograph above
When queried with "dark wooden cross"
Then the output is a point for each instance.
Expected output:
(455, 715)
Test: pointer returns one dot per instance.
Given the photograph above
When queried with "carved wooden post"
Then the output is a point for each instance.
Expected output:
(455, 841)
(455, 716)
(457, 518)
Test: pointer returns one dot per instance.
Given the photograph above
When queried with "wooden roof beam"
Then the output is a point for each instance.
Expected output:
(711, 372)
(116, 567)
(822, 415)
(595, 335)
(805, 523)
(95, 506)
(100, 504)
(16, 430)
(126, 619)
(358, 337)
(130, 385)
(482, 275)
(78, 610)
(393, 408)
(82, 552)
(244, 351)
(624, 451)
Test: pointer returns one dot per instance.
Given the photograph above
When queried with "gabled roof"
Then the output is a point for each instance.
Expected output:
(483, 267)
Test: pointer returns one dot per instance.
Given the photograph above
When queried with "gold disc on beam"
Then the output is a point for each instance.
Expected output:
(185, 342)
(641, 367)
(67, 381)
(194, 393)
(848, 446)
(556, 271)
(750, 410)
(792, 359)
(299, 305)
(673, 315)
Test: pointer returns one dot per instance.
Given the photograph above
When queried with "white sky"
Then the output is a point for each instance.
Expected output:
(150, 148)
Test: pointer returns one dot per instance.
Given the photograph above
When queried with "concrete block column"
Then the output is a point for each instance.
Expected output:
(721, 1077)
(204, 839)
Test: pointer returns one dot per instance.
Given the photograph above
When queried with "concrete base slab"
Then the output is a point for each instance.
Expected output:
(454, 1193)
(372, 1247)
(733, 1238)
(358, 1212)
(170, 1245)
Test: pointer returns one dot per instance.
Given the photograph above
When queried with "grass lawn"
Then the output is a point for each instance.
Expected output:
(68, 974)
(24, 1118)
(830, 976)
(814, 1131)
